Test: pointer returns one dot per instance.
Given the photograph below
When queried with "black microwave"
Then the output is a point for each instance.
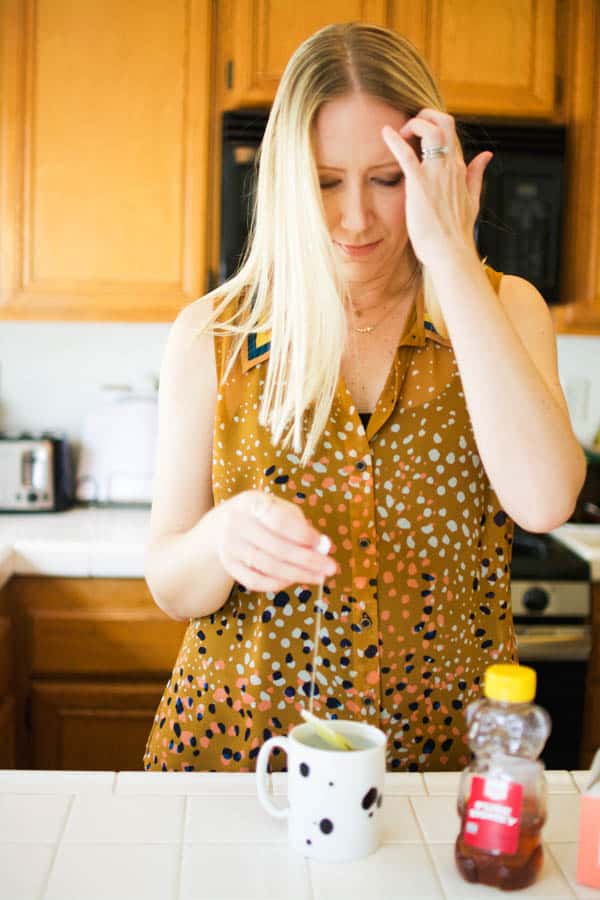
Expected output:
(519, 226)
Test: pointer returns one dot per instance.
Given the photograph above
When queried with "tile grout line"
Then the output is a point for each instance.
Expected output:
(427, 848)
(57, 847)
(178, 877)
(563, 874)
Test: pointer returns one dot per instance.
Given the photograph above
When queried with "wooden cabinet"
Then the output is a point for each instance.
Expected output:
(93, 657)
(81, 725)
(259, 36)
(581, 245)
(494, 59)
(104, 131)
(7, 700)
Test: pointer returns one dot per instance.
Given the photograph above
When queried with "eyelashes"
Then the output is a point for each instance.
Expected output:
(382, 182)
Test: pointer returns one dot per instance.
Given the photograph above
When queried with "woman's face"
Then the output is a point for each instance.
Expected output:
(362, 185)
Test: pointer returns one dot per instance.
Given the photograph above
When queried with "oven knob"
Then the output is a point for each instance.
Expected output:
(535, 599)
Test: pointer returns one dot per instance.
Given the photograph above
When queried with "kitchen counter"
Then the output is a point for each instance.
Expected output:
(97, 542)
(85, 542)
(178, 836)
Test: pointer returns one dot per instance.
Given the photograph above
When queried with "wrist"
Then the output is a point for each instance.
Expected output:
(457, 259)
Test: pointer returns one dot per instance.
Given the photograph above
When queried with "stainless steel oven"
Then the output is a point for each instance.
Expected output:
(551, 601)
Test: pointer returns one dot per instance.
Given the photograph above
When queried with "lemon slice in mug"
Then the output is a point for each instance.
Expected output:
(325, 732)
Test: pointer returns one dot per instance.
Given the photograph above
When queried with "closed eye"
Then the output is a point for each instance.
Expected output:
(382, 182)
(390, 182)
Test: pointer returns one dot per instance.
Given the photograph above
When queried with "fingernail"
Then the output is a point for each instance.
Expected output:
(324, 545)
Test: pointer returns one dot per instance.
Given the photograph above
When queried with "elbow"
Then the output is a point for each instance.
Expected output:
(541, 522)
(157, 589)
(162, 604)
(557, 503)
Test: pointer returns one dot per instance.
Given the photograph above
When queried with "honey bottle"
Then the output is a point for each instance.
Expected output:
(502, 793)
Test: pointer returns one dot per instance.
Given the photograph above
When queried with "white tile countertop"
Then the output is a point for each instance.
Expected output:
(100, 542)
(182, 836)
(93, 542)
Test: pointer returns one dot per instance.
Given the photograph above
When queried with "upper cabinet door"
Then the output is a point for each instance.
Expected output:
(493, 59)
(259, 36)
(581, 224)
(104, 157)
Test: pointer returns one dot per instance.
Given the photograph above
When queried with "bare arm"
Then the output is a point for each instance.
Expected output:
(183, 569)
(506, 353)
(197, 551)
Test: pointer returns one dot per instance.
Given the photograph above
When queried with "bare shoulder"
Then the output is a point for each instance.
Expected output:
(526, 308)
(187, 400)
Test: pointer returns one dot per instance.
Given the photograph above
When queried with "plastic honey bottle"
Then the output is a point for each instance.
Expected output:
(502, 793)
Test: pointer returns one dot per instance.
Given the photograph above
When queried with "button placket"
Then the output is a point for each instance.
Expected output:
(364, 613)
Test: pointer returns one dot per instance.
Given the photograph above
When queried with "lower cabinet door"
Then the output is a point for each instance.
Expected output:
(91, 725)
(7, 730)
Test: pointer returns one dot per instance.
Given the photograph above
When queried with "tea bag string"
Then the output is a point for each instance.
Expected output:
(313, 683)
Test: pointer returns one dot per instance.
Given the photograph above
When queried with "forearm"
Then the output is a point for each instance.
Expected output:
(524, 437)
(184, 573)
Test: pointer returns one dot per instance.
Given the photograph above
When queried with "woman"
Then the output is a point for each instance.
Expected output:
(363, 384)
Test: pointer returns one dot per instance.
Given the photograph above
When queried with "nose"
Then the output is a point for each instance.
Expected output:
(355, 209)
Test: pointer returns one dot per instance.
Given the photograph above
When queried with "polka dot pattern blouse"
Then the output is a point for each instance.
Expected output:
(421, 606)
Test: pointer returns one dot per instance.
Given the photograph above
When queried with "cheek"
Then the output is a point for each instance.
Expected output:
(395, 212)
(329, 209)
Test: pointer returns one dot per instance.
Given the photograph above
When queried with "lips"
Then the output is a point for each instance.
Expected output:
(358, 249)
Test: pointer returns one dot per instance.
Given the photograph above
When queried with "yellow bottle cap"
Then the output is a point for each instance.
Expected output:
(510, 683)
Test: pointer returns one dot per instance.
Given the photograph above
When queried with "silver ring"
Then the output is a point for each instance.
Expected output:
(434, 152)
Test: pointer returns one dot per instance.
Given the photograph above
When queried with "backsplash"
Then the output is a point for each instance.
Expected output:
(51, 372)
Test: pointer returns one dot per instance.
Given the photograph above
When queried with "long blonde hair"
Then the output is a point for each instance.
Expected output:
(290, 282)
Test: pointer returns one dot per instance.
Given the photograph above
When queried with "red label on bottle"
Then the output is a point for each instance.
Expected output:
(493, 816)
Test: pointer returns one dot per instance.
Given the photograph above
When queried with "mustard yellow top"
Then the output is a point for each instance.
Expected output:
(421, 607)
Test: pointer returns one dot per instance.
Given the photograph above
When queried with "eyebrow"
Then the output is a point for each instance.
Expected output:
(385, 165)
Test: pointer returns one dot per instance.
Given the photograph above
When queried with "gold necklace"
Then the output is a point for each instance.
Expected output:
(367, 329)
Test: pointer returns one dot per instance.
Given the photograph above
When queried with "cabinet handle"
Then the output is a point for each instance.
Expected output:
(229, 74)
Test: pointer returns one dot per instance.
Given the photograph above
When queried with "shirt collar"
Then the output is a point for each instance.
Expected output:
(418, 330)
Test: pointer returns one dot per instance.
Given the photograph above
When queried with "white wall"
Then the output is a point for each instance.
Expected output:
(50, 373)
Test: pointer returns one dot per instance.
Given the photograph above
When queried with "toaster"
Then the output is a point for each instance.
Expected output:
(36, 473)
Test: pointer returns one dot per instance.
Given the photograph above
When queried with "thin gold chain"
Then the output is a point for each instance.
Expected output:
(367, 329)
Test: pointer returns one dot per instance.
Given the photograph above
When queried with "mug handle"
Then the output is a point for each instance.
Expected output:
(262, 761)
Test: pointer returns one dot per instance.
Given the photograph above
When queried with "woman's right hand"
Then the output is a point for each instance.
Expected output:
(266, 543)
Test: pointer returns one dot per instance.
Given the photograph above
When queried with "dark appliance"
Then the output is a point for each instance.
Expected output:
(551, 602)
(519, 226)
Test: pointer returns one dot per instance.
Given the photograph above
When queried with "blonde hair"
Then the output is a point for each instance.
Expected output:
(290, 281)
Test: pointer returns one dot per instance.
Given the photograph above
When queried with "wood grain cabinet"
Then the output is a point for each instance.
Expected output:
(493, 59)
(92, 660)
(257, 38)
(581, 245)
(104, 130)
(7, 698)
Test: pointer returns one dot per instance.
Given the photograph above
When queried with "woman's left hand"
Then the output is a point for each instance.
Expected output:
(442, 194)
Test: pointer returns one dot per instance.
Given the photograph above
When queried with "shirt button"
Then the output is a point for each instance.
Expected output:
(360, 465)
(364, 542)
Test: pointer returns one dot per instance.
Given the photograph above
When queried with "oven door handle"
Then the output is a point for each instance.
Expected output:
(567, 642)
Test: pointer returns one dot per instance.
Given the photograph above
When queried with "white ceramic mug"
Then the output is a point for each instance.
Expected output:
(334, 796)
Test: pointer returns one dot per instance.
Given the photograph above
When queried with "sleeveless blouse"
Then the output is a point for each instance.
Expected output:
(421, 606)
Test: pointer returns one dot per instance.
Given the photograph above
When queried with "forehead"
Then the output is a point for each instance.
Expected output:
(347, 131)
